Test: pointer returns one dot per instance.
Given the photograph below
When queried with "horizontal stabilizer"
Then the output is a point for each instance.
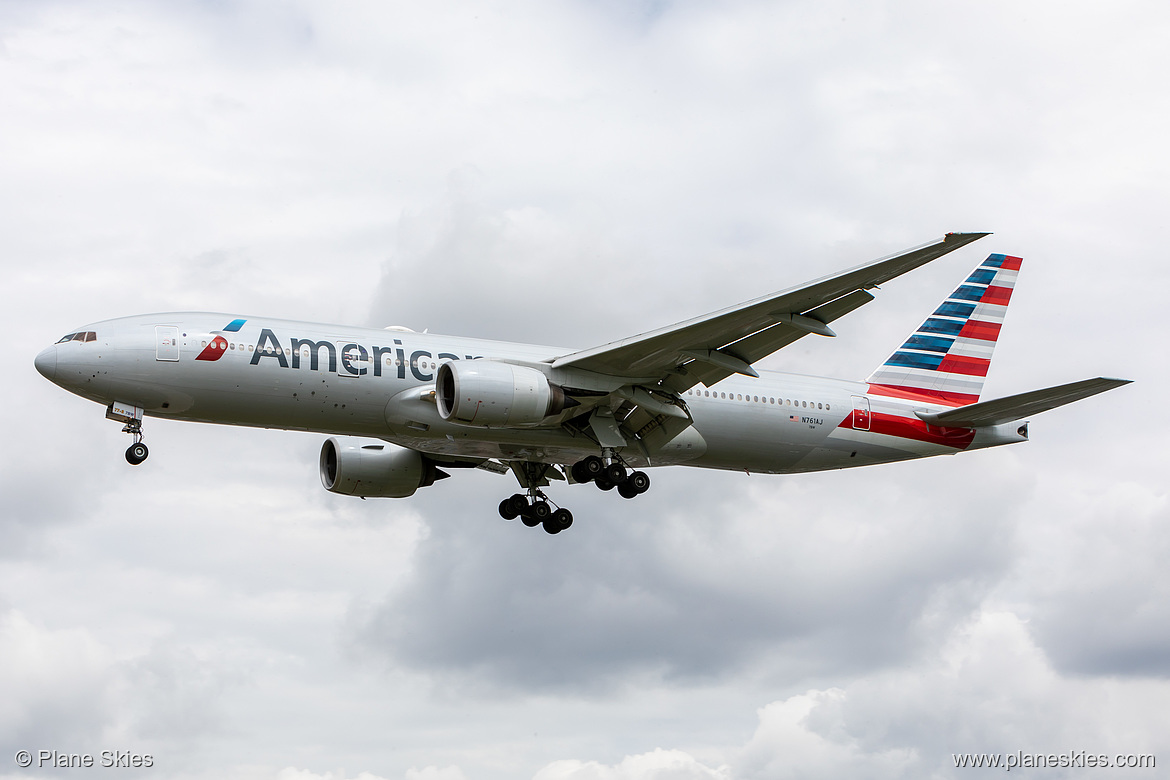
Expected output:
(1017, 407)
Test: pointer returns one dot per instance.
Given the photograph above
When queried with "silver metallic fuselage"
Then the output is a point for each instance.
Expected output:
(379, 383)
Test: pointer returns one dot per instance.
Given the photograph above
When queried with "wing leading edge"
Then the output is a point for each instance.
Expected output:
(712, 347)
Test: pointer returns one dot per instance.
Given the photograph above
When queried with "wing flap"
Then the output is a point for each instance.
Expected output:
(764, 342)
(1017, 407)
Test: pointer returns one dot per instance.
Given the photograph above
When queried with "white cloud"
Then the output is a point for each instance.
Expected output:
(57, 684)
(991, 690)
(656, 765)
(582, 171)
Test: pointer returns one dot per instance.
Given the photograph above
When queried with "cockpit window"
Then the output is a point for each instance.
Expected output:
(85, 335)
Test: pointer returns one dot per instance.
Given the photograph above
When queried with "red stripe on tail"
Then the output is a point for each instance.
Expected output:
(1000, 295)
(960, 364)
(975, 329)
(924, 395)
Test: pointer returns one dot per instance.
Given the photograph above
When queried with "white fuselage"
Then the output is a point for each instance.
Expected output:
(379, 383)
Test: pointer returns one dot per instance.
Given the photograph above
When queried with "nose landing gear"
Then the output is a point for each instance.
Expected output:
(132, 417)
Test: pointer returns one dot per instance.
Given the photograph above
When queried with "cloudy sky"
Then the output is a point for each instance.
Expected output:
(570, 173)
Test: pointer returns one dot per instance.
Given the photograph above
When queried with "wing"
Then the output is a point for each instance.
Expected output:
(712, 347)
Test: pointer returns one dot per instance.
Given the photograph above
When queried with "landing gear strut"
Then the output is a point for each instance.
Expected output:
(533, 507)
(136, 452)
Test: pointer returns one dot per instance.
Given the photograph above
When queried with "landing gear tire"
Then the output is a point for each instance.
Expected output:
(627, 490)
(513, 506)
(136, 453)
(529, 520)
(640, 480)
(604, 483)
(615, 473)
(540, 511)
(558, 521)
(580, 473)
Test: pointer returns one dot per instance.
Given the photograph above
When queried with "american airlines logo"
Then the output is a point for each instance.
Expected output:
(350, 359)
(215, 349)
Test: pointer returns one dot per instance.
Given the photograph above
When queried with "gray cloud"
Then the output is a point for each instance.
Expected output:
(717, 579)
(573, 173)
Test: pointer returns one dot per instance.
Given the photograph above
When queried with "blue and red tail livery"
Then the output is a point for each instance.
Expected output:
(946, 359)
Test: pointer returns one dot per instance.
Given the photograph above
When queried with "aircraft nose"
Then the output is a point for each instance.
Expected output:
(46, 363)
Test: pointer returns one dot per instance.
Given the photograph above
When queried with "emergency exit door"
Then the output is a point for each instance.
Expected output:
(860, 413)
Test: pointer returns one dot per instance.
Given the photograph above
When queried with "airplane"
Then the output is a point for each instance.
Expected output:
(403, 408)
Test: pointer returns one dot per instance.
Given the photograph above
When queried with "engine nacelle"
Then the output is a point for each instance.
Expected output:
(373, 469)
(488, 393)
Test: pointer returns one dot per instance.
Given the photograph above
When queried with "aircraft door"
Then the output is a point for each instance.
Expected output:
(860, 413)
(353, 360)
(166, 342)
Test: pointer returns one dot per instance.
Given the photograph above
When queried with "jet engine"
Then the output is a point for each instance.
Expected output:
(489, 393)
(374, 469)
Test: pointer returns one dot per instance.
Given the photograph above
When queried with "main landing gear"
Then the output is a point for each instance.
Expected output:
(535, 509)
(593, 469)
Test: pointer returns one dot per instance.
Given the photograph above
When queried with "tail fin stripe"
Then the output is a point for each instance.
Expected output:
(959, 310)
(915, 360)
(973, 348)
(939, 396)
(1000, 295)
(946, 327)
(970, 366)
(969, 293)
(977, 329)
(981, 276)
(929, 343)
(990, 312)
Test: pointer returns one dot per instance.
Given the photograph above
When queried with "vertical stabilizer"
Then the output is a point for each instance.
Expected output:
(945, 361)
